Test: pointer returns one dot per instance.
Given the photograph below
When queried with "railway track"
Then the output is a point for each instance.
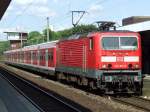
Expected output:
(137, 102)
(43, 100)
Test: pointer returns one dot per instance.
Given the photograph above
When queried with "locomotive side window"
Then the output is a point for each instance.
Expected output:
(91, 44)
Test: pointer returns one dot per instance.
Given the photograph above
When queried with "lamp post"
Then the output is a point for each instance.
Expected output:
(47, 29)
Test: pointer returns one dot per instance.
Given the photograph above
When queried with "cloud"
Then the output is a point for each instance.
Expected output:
(26, 2)
(97, 8)
(61, 1)
(37, 8)
(41, 11)
(55, 1)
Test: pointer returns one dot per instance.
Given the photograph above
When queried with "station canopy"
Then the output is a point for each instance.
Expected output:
(3, 6)
(144, 29)
(138, 27)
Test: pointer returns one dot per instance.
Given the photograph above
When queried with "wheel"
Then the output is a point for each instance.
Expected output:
(79, 81)
(139, 91)
(58, 77)
(92, 85)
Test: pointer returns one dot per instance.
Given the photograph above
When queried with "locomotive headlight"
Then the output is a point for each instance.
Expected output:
(136, 66)
(104, 66)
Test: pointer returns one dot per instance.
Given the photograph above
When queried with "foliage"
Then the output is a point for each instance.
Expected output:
(79, 29)
(52, 35)
(36, 37)
(4, 45)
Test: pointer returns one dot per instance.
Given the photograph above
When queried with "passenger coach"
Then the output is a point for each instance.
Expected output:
(41, 57)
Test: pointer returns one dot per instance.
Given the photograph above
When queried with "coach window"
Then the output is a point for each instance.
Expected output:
(41, 57)
(91, 44)
(35, 57)
(50, 56)
(44, 57)
(29, 56)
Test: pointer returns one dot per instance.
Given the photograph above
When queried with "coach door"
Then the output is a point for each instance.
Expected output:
(46, 57)
(31, 57)
(38, 57)
(50, 58)
(84, 59)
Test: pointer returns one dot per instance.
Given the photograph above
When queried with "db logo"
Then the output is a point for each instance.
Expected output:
(120, 59)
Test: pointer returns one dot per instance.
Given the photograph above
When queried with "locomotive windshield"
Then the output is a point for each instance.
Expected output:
(119, 43)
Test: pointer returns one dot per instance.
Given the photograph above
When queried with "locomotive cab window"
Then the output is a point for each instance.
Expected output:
(110, 43)
(91, 44)
(119, 43)
(128, 43)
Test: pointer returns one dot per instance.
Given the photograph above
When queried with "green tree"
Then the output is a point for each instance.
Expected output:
(79, 29)
(4, 45)
(52, 35)
(34, 37)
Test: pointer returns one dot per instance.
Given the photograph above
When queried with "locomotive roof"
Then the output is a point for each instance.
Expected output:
(84, 35)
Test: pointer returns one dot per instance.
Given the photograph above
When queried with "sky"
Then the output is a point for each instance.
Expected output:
(30, 15)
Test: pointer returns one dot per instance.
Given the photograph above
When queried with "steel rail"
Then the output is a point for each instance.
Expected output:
(18, 90)
(128, 101)
(43, 91)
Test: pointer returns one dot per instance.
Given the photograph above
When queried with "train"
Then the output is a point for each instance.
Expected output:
(106, 60)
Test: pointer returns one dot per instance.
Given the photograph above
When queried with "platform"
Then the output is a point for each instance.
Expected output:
(12, 101)
(147, 76)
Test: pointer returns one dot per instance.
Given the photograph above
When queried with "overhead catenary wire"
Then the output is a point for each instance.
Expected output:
(53, 20)
(97, 2)
(21, 13)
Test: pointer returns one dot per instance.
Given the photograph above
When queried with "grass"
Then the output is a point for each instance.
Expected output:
(1, 58)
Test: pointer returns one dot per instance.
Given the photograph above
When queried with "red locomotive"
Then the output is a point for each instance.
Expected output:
(105, 60)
